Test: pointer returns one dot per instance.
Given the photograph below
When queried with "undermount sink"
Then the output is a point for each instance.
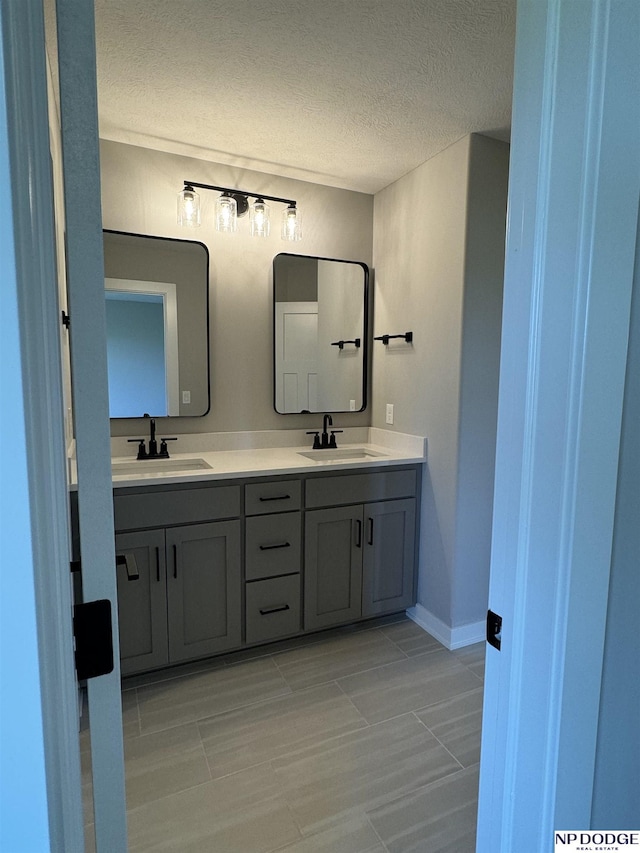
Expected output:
(336, 454)
(158, 466)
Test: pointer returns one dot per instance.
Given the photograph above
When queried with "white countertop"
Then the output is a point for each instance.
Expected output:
(386, 448)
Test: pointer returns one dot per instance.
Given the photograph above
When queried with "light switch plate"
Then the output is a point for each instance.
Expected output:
(389, 413)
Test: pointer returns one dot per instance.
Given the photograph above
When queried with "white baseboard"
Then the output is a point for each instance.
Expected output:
(451, 638)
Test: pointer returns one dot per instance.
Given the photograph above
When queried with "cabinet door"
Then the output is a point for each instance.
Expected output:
(389, 556)
(333, 566)
(142, 601)
(204, 589)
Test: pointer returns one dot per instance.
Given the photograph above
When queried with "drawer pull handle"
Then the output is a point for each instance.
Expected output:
(272, 547)
(276, 498)
(370, 538)
(267, 610)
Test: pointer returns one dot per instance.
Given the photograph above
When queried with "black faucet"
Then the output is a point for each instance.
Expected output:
(153, 452)
(326, 442)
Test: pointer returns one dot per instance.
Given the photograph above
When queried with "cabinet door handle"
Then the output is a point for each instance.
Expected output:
(272, 547)
(130, 564)
(157, 564)
(267, 610)
(370, 536)
(276, 498)
(175, 561)
(358, 533)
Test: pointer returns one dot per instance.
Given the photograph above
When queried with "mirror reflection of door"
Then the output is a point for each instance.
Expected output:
(142, 348)
(320, 334)
(297, 356)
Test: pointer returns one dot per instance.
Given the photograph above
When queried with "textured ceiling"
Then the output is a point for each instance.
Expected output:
(349, 93)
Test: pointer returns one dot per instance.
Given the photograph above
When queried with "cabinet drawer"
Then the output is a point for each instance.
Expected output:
(277, 496)
(272, 545)
(360, 488)
(175, 506)
(273, 608)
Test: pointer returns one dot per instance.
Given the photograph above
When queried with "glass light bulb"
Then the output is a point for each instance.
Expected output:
(291, 224)
(226, 214)
(259, 218)
(188, 207)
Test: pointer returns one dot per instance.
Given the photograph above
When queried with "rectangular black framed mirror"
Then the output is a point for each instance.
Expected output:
(320, 339)
(157, 308)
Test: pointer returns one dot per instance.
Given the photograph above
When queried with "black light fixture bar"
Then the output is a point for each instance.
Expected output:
(288, 201)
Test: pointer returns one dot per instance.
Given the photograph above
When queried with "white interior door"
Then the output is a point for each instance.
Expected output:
(39, 750)
(85, 283)
(297, 357)
(573, 206)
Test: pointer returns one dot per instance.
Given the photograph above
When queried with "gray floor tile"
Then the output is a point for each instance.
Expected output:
(473, 657)
(411, 638)
(335, 658)
(408, 685)
(440, 818)
(354, 835)
(457, 723)
(350, 774)
(242, 738)
(194, 697)
(164, 763)
(130, 716)
(243, 813)
(130, 682)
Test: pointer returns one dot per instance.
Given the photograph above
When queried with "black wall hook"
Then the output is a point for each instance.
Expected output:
(408, 336)
(341, 344)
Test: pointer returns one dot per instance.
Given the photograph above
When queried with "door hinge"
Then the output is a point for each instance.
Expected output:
(75, 566)
(66, 320)
(94, 638)
(494, 629)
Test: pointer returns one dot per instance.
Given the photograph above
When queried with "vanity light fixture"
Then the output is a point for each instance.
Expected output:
(232, 204)
(188, 207)
(259, 222)
(291, 223)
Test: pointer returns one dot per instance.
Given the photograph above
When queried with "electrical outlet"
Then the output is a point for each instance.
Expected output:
(389, 413)
(352, 405)
(186, 397)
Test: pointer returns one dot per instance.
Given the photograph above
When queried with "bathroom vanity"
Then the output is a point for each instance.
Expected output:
(214, 563)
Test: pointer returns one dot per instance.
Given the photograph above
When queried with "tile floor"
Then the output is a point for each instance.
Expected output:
(358, 740)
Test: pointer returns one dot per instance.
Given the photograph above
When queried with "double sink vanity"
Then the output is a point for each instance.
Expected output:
(240, 539)
(225, 549)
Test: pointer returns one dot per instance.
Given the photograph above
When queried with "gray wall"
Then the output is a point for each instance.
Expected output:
(438, 256)
(139, 193)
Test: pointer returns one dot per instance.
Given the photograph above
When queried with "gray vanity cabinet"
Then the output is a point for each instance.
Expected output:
(333, 567)
(142, 602)
(388, 556)
(220, 566)
(360, 557)
(203, 589)
(186, 602)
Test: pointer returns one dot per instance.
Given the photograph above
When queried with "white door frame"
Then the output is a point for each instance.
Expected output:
(573, 207)
(39, 753)
(85, 286)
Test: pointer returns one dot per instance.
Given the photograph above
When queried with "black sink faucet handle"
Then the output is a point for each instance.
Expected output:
(332, 440)
(142, 450)
(164, 453)
(316, 439)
